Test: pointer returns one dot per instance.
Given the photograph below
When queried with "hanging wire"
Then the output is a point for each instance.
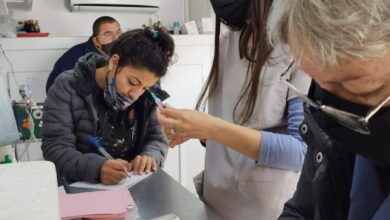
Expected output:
(10, 64)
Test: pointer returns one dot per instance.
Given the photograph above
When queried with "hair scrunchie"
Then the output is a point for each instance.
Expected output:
(154, 33)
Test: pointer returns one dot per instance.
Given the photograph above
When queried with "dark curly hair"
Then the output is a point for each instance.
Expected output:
(150, 48)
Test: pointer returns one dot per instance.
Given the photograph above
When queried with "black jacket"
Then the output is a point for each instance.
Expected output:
(324, 186)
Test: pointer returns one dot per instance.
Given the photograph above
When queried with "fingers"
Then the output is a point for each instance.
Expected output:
(163, 119)
(154, 166)
(165, 115)
(110, 177)
(129, 166)
(170, 112)
(172, 119)
(174, 141)
(120, 165)
(113, 171)
(108, 180)
(167, 105)
(135, 163)
(121, 161)
(175, 124)
(143, 164)
(148, 165)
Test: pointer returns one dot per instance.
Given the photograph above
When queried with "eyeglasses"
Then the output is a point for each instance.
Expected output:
(352, 121)
(111, 34)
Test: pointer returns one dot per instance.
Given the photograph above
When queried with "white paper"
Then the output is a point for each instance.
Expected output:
(61, 190)
(128, 182)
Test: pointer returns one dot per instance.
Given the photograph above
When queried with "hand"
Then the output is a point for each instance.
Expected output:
(113, 171)
(175, 141)
(185, 124)
(141, 164)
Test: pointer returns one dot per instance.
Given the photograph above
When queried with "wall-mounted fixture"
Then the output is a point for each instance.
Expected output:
(132, 5)
(3, 8)
(15, 5)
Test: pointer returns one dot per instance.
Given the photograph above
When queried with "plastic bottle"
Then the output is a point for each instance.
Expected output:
(176, 28)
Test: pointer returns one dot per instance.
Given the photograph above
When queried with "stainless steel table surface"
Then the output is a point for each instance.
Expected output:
(160, 194)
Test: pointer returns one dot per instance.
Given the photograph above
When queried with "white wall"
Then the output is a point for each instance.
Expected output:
(55, 17)
(198, 9)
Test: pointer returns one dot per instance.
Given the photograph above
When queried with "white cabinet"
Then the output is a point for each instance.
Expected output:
(35, 57)
(184, 82)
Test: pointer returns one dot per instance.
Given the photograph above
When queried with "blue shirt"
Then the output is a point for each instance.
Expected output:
(368, 199)
(291, 144)
(68, 60)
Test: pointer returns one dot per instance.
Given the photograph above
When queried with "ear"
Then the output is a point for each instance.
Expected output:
(94, 40)
(113, 62)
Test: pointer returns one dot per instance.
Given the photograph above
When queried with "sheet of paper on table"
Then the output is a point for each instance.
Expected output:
(128, 182)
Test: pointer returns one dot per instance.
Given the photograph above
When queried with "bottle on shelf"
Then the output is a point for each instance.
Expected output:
(176, 28)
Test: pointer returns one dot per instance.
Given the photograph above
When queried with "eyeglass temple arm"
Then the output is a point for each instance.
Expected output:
(299, 93)
(302, 96)
(376, 109)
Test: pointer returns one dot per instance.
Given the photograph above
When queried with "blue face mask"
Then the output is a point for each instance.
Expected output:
(113, 97)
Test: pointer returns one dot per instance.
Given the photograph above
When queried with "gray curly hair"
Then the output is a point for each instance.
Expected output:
(333, 29)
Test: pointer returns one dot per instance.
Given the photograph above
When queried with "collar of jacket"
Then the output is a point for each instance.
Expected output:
(84, 82)
(373, 146)
(90, 46)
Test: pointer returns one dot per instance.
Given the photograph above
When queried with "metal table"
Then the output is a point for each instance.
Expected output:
(159, 194)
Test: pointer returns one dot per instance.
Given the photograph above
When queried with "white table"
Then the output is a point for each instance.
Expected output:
(28, 190)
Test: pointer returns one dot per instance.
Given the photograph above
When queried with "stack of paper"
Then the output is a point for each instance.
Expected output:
(109, 204)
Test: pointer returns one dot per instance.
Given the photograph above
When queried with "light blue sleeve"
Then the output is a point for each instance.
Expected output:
(285, 151)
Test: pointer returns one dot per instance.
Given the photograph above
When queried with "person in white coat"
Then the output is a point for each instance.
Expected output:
(253, 148)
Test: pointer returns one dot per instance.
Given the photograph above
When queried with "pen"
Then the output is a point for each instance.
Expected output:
(95, 143)
(92, 140)
(156, 99)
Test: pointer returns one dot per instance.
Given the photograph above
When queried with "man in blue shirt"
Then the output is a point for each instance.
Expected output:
(105, 30)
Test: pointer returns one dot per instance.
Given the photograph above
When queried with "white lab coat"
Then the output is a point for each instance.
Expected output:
(233, 184)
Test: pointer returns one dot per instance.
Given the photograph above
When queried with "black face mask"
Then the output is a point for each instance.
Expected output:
(374, 146)
(104, 47)
(232, 13)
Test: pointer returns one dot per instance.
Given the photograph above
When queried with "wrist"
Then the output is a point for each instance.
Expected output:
(214, 129)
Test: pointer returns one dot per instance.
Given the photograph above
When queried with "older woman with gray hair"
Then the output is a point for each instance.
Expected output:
(344, 46)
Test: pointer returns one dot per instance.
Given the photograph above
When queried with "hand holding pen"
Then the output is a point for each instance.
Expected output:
(113, 170)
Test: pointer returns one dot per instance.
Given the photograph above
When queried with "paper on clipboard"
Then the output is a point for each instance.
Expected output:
(128, 182)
